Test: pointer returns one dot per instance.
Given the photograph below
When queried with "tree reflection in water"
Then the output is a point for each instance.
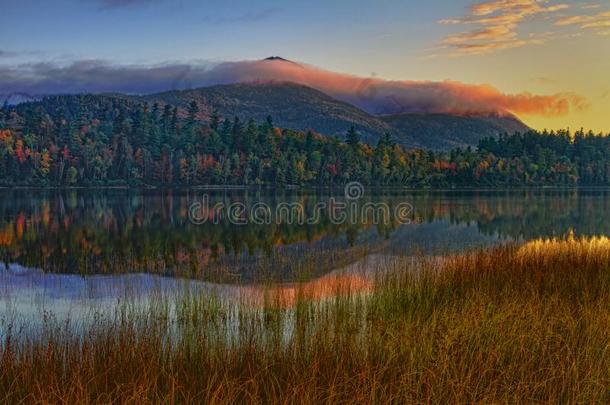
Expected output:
(119, 231)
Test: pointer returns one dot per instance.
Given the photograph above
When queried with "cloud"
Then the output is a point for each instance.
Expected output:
(599, 23)
(374, 95)
(248, 17)
(496, 25)
(590, 6)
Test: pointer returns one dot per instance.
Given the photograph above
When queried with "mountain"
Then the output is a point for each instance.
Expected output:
(291, 105)
(444, 131)
(302, 108)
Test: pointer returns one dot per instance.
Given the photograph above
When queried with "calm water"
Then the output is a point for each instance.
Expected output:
(70, 252)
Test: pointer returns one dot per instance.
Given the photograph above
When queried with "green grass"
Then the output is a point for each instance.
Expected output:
(516, 324)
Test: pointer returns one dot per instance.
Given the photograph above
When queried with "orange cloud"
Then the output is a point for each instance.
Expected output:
(380, 96)
(598, 22)
(498, 21)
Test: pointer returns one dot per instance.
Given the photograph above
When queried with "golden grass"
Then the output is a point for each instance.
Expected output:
(597, 247)
(522, 324)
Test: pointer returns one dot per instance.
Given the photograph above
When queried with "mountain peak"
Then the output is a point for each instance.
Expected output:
(277, 58)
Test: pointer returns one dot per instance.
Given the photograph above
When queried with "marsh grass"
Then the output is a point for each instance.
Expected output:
(525, 323)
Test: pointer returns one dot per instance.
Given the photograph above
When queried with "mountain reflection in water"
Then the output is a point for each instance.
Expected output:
(124, 232)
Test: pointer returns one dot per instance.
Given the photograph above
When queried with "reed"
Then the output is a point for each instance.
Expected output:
(526, 323)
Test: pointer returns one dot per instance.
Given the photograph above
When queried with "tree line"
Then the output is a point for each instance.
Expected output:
(92, 140)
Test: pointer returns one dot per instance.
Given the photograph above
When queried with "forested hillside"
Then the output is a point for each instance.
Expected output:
(292, 106)
(112, 140)
(446, 132)
(302, 108)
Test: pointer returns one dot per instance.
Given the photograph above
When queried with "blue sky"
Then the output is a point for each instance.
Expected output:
(342, 34)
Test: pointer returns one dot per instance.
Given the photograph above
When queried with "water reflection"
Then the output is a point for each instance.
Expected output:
(124, 232)
(30, 298)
